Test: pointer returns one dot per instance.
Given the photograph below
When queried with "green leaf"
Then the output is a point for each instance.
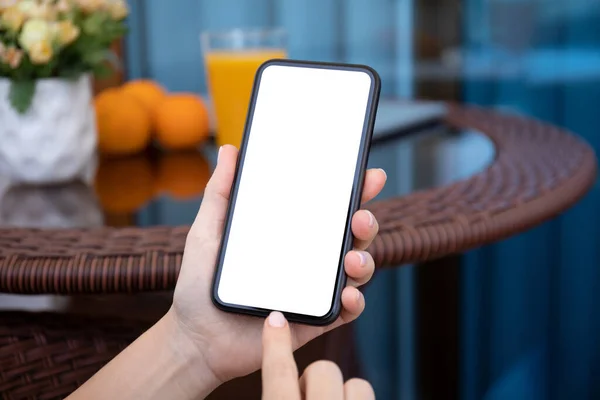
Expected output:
(92, 25)
(96, 57)
(21, 95)
(102, 71)
(46, 70)
(70, 74)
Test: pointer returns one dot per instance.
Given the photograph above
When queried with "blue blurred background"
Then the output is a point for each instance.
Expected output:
(516, 320)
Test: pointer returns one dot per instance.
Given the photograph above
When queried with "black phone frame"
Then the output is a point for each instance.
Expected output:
(359, 176)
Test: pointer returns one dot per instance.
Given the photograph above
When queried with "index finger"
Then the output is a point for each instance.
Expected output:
(279, 370)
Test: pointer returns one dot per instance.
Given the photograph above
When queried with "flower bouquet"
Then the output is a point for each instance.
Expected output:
(49, 49)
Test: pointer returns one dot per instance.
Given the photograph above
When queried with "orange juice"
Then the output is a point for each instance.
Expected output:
(230, 80)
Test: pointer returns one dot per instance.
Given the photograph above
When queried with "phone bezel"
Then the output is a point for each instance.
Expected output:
(357, 187)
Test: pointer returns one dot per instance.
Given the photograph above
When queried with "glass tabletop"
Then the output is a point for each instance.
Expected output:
(158, 188)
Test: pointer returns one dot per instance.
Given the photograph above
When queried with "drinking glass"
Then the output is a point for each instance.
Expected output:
(231, 59)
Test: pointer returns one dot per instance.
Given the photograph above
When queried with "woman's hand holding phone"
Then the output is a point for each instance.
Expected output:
(230, 344)
(320, 380)
(195, 347)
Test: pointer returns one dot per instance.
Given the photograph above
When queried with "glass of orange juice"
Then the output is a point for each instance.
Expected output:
(231, 60)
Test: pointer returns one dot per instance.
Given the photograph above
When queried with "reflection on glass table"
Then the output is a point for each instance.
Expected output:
(167, 188)
(435, 157)
(418, 161)
(71, 205)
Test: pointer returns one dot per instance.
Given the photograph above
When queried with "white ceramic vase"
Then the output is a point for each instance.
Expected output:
(55, 139)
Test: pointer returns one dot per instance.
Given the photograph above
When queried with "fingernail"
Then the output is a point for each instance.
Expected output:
(276, 319)
(384, 173)
(219, 153)
(359, 296)
(363, 258)
(371, 219)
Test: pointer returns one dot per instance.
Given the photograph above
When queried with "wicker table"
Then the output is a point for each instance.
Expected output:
(538, 172)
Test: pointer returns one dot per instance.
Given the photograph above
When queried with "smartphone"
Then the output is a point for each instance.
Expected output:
(298, 182)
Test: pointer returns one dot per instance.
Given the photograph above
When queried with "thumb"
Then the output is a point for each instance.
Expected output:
(210, 218)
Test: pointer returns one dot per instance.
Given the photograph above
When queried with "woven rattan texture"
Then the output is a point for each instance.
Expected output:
(48, 356)
(539, 171)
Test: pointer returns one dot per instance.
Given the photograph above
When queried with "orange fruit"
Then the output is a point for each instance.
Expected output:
(124, 125)
(123, 185)
(182, 175)
(148, 92)
(181, 122)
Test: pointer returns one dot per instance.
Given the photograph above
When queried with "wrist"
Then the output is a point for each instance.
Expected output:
(197, 377)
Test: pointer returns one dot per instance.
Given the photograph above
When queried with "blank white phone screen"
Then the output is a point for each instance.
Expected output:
(287, 228)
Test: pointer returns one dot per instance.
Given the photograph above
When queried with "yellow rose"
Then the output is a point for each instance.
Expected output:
(35, 9)
(13, 18)
(90, 6)
(35, 31)
(27, 6)
(41, 52)
(65, 32)
(118, 9)
(4, 4)
(12, 56)
(63, 6)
